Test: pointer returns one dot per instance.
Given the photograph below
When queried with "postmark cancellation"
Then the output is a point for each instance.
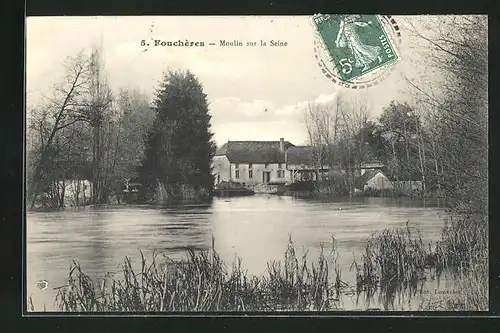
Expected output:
(356, 51)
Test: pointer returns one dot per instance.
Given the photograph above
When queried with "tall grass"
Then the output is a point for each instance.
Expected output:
(203, 283)
(397, 261)
(464, 252)
(464, 242)
(394, 260)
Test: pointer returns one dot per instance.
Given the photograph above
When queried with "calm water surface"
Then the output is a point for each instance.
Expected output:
(256, 228)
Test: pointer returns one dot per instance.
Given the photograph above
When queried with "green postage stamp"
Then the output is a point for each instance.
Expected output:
(356, 46)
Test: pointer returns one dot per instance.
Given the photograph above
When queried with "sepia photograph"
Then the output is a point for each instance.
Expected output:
(214, 164)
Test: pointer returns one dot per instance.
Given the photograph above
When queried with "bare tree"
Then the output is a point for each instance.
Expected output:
(334, 133)
(60, 112)
(97, 113)
(136, 118)
(317, 122)
(354, 115)
(455, 50)
(80, 126)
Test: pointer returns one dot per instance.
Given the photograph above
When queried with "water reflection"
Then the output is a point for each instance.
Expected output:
(256, 228)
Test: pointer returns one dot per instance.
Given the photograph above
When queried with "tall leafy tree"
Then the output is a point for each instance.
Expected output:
(179, 146)
(399, 126)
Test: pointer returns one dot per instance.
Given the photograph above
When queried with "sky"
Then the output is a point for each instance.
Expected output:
(240, 82)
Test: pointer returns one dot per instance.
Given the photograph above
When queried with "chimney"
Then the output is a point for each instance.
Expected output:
(282, 145)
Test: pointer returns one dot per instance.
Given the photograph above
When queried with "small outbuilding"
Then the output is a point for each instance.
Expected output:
(372, 179)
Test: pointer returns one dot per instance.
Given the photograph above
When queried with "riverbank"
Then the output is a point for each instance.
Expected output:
(395, 261)
(198, 201)
(332, 189)
(305, 189)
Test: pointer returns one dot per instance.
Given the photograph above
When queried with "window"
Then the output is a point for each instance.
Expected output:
(266, 165)
(250, 174)
(237, 174)
(281, 174)
(279, 165)
(236, 165)
(250, 165)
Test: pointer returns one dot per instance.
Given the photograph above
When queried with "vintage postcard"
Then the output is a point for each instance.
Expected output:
(328, 162)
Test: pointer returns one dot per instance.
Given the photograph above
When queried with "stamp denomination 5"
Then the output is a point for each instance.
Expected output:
(354, 50)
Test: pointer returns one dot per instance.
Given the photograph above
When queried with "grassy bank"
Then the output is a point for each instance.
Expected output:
(394, 261)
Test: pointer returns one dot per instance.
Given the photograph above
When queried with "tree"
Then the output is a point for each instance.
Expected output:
(136, 118)
(100, 118)
(400, 128)
(352, 148)
(60, 111)
(371, 136)
(179, 146)
(320, 120)
(78, 124)
(456, 50)
(334, 131)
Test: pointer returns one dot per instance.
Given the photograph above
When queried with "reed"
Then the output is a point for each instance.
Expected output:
(469, 292)
(396, 261)
(463, 252)
(393, 256)
(464, 242)
(203, 283)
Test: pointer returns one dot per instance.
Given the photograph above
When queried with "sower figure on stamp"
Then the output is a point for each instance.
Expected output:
(363, 54)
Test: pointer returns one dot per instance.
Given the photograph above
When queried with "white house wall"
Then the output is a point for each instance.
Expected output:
(379, 182)
(258, 170)
(224, 170)
(220, 169)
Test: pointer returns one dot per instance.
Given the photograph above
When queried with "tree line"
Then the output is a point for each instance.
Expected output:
(87, 139)
(440, 137)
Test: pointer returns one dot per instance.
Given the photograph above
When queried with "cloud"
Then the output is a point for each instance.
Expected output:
(235, 119)
(324, 99)
(268, 131)
(234, 109)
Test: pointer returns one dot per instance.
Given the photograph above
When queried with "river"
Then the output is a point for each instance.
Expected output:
(255, 228)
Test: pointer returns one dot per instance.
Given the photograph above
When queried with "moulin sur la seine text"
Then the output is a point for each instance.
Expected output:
(252, 43)
(225, 43)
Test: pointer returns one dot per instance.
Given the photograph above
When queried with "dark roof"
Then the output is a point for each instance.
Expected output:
(361, 181)
(253, 151)
(300, 155)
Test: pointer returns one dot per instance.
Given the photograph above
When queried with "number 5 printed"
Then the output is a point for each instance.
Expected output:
(346, 65)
